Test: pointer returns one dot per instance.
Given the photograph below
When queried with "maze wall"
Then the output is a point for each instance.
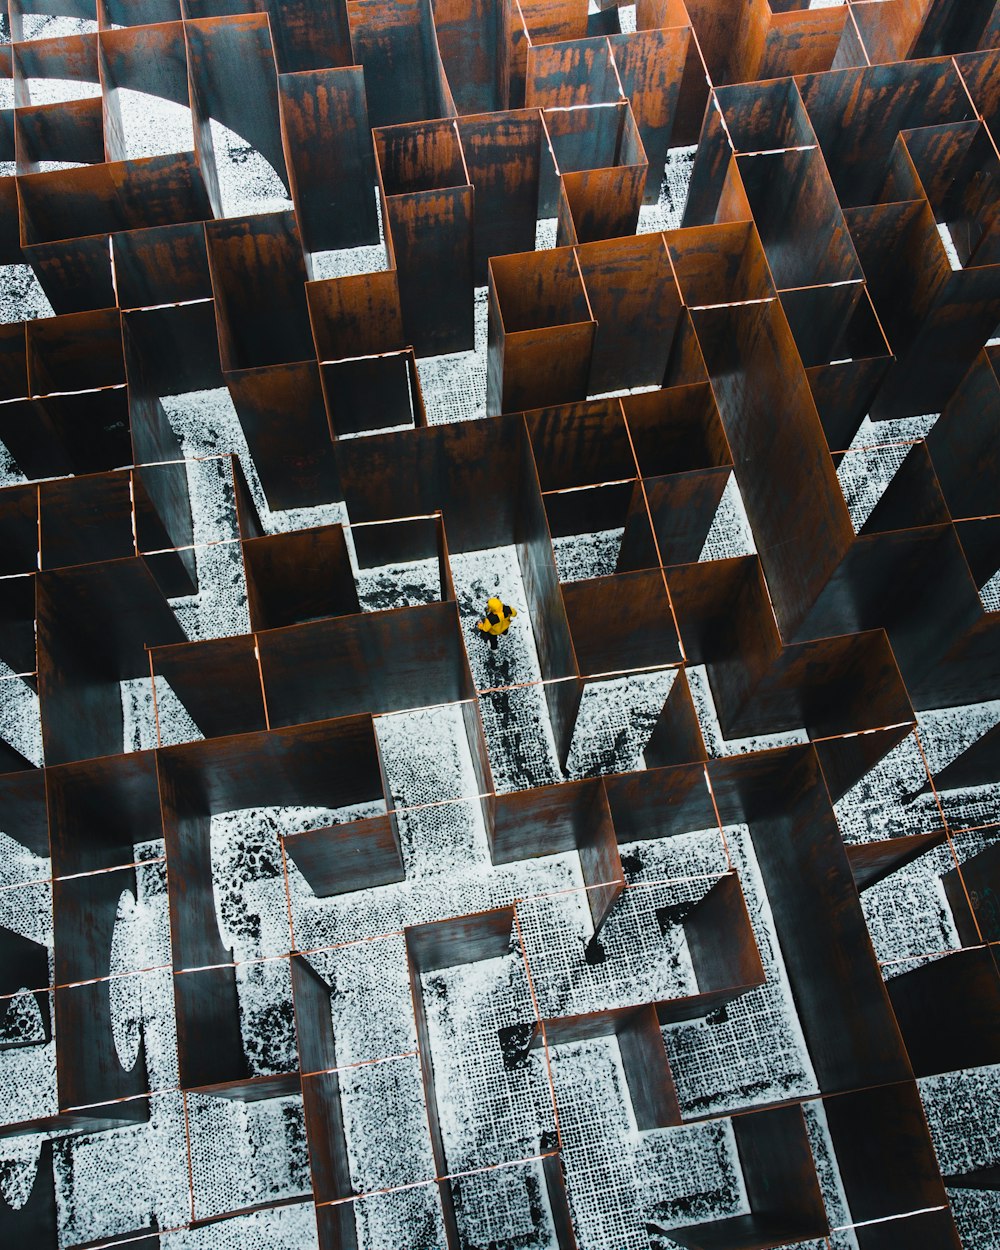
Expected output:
(674, 921)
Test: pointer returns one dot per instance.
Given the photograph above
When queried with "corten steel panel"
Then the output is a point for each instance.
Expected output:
(18, 530)
(687, 363)
(723, 32)
(648, 1076)
(682, 508)
(476, 737)
(309, 34)
(933, 622)
(933, 1230)
(551, 820)
(601, 190)
(335, 1223)
(248, 770)
(356, 315)
(173, 350)
(651, 66)
(578, 139)
(636, 304)
(148, 58)
(803, 531)
(872, 862)
(647, 1071)
(546, 820)
(163, 506)
(979, 73)
(78, 351)
(719, 264)
(209, 1043)
(582, 444)
(17, 626)
(977, 879)
(313, 1024)
(546, 610)
(912, 499)
(217, 681)
(676, 430)
(86, 432)
(833, 322)
(298, 577)
(248, 520)
(592, 510)
(540, 22)
(541, 332)
(842, 1001)
(99, 809)
(884, 1151)
(949, 1012)
(398, 49)
(857, 114)
(459, 940)
(396, 542)
(377, 662)
(370, 393)
(23, 810)
(233, 79)
(446, 468)
(574, 72)
(161, 265)
(331, 162)
(970, 669)
(831, 686)
(501, 152)
(258, 275)
(621, 622)
(73, 131)
(342, 858)
(94, 623)
(764, 116)
(842, 392)
(703, 596)
(12, 760)
(88, 1068)
(34, 1222)
(910, 30)
(555, 1190)
(799, 42)
(25, 965)
(638, 549)
(452, 1241)
(284, 420)
(97, 199)
(72, 56)
(935, 319)
(676, 737)
(798, 217)
(10, 232)
(328, 1158)
(721, 940)
(428, 203)
(473, 36)
(782, 1187)
(845, 760)
(13, 361)
(958, 170)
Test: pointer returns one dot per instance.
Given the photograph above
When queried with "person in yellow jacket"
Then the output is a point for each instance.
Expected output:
(496, 620)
